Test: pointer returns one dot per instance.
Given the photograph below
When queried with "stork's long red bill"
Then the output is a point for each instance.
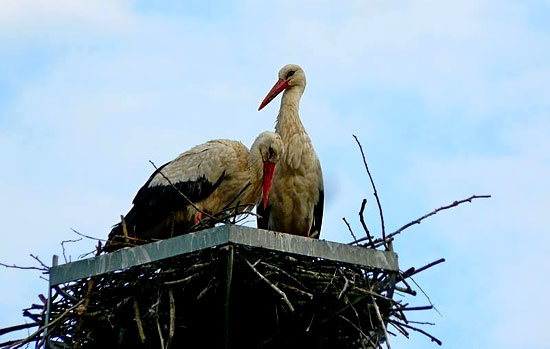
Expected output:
(269, 169)
(279, 86)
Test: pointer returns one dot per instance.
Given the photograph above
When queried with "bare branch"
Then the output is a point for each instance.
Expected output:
(86, 236)
(39, 261)
(426, 295)
(124, 229)
(19, 267)
(138, 321)
(3, 331)
(414, 271)
(454, 204)
(358, 330)
(389, 237)
(362, 220)
(382, 324)
(349, 228)
(172, 318)
(418, 330)
(375, 193)
(41, 329)
(281, 293)
(63, 247)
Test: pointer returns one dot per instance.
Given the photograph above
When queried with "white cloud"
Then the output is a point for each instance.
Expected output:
(29, 19)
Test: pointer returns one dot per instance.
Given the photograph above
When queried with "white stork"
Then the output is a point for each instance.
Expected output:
(217, 177)
(295, 204)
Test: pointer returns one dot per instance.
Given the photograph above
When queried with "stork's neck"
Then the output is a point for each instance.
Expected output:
(288, 120)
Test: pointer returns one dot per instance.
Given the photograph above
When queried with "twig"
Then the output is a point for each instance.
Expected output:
(331, 280)
(281, 293)
(3, 331)
(174, 282)
(41, 329)
(362, 220)
(420, 219)
(39, 261)
(63, 247)
(359, 330)
(375, 192)
(172, 318)
(413, 271)
(346, 285)
(400, 329)
(349, 228)
(418, 330)
(454, 204)
(211, 284)
(425, 307)
(138, 321)
(124, 229)
(86, 236)
(426, 295)
(161, 338)
(407, 290)
(421, 323)
(381, 322)
(358, 320)
(296, 289)
(19, 267)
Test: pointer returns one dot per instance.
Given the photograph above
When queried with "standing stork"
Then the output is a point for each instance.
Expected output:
(214, 179)
(295, 204)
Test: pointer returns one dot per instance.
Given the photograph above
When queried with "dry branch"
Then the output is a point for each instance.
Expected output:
(86, 236)
(382, 324)
(41, 329)
(139, 324)
(413, 271)
(420, 219)
(13, 266)
(362, 220)
(375, 193)
(172, 318)
(433, 339)
(281, 293)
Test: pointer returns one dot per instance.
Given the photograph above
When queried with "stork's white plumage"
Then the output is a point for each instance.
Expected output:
(296, 199)
(219, 175)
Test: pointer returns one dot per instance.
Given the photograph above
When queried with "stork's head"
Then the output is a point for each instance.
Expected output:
(290, 76)
(269, 147)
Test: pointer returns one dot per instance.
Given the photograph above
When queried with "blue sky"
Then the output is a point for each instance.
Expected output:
(448, 99)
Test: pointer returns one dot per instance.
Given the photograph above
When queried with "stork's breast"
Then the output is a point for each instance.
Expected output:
(299, 154)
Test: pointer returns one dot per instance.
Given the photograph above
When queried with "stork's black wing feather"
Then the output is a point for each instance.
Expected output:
(154, 204)
(318, 215)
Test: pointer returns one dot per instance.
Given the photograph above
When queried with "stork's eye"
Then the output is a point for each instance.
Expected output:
(270, 152)
(290, 73)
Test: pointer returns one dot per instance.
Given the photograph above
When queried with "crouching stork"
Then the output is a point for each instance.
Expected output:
(200, 187)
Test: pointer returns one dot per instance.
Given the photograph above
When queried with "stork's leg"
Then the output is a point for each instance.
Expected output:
(198, 217)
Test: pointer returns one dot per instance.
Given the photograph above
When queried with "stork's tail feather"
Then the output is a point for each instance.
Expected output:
(116, 237)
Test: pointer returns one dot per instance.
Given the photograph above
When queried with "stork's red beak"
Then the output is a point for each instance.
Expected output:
(279, 86)
(269, 169)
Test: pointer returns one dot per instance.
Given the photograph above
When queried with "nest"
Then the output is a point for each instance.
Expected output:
(227, 296)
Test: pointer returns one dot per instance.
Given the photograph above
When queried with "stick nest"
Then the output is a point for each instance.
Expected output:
(275, 300)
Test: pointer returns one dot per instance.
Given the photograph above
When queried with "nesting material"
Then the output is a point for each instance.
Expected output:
(231, 295)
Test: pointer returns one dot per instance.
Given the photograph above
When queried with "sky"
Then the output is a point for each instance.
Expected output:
(448, 99)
